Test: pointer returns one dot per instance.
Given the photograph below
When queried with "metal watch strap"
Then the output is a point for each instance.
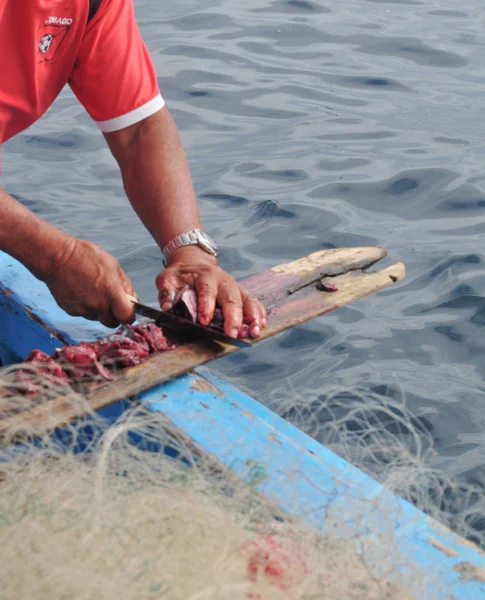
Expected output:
(190, 238)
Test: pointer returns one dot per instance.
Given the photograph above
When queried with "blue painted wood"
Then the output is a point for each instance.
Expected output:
(306, 478)
(280, 460)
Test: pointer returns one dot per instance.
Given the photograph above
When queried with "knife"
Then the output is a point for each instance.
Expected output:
(185, 327)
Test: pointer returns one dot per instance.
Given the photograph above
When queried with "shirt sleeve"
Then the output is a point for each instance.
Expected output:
(114, 77)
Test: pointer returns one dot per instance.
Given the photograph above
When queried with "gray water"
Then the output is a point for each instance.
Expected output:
(310, 125)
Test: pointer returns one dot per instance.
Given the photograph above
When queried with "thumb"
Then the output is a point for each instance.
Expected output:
(122, 308)
(126, 282)
(122, 301)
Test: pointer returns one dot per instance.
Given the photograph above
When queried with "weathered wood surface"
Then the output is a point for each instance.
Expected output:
(289, 293)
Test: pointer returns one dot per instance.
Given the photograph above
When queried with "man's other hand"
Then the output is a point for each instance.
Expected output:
(89, 282)
(243, 314)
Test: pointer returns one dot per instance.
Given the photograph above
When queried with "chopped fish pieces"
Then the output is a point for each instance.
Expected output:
(129, 346)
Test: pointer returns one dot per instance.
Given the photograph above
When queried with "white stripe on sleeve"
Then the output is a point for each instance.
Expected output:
(132, 117)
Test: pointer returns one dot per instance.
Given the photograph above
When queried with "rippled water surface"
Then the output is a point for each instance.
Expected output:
(310, 125)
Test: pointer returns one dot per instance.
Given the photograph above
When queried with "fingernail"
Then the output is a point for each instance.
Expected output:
(255, 331)
(166, 306)
(233, 332)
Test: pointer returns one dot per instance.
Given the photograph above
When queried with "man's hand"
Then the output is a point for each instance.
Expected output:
(192, 266)
(89, 282)
(84, 279)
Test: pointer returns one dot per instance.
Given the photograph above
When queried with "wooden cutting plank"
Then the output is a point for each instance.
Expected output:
(288, 292)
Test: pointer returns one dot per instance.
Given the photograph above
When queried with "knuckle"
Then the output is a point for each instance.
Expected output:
(231, 298)
(251, 301)
(166, 281)
(233, 301)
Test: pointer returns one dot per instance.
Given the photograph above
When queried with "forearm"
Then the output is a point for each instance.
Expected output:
(156, 176)
(34, 242)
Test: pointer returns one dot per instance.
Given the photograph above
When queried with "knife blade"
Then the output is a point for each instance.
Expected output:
(192, 330)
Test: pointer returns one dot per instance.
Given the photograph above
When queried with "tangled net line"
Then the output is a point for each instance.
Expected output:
(132, 509)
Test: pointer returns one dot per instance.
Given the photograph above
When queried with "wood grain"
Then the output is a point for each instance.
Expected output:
(286, 310)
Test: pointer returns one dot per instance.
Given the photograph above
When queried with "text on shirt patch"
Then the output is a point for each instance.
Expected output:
(51, 36)
(58, 21)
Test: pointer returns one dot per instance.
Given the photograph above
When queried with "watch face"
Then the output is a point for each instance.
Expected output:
(206, 242)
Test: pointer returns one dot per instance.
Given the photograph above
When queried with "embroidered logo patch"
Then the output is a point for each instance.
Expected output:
(52, 34)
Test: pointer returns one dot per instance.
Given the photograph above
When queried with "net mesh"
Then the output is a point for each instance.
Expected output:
(132, 508)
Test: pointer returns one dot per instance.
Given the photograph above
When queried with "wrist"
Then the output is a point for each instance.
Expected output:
(192, 255)
(193, 237)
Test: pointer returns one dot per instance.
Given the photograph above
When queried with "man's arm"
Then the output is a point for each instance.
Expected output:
(158, 183)
(28, 238)
(156, 176)
(84, 279)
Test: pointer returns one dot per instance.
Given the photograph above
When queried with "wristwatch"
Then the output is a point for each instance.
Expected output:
(190, 238)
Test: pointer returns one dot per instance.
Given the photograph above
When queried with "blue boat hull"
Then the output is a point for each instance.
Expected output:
(254, 442)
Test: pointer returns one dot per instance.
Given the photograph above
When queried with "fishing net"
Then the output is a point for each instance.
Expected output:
(130, 508)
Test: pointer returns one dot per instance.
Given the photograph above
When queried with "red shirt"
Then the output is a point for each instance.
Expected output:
(48, 43)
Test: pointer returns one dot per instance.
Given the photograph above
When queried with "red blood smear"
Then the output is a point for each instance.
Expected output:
(326, 287)
(267, 556)
(244, 332)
